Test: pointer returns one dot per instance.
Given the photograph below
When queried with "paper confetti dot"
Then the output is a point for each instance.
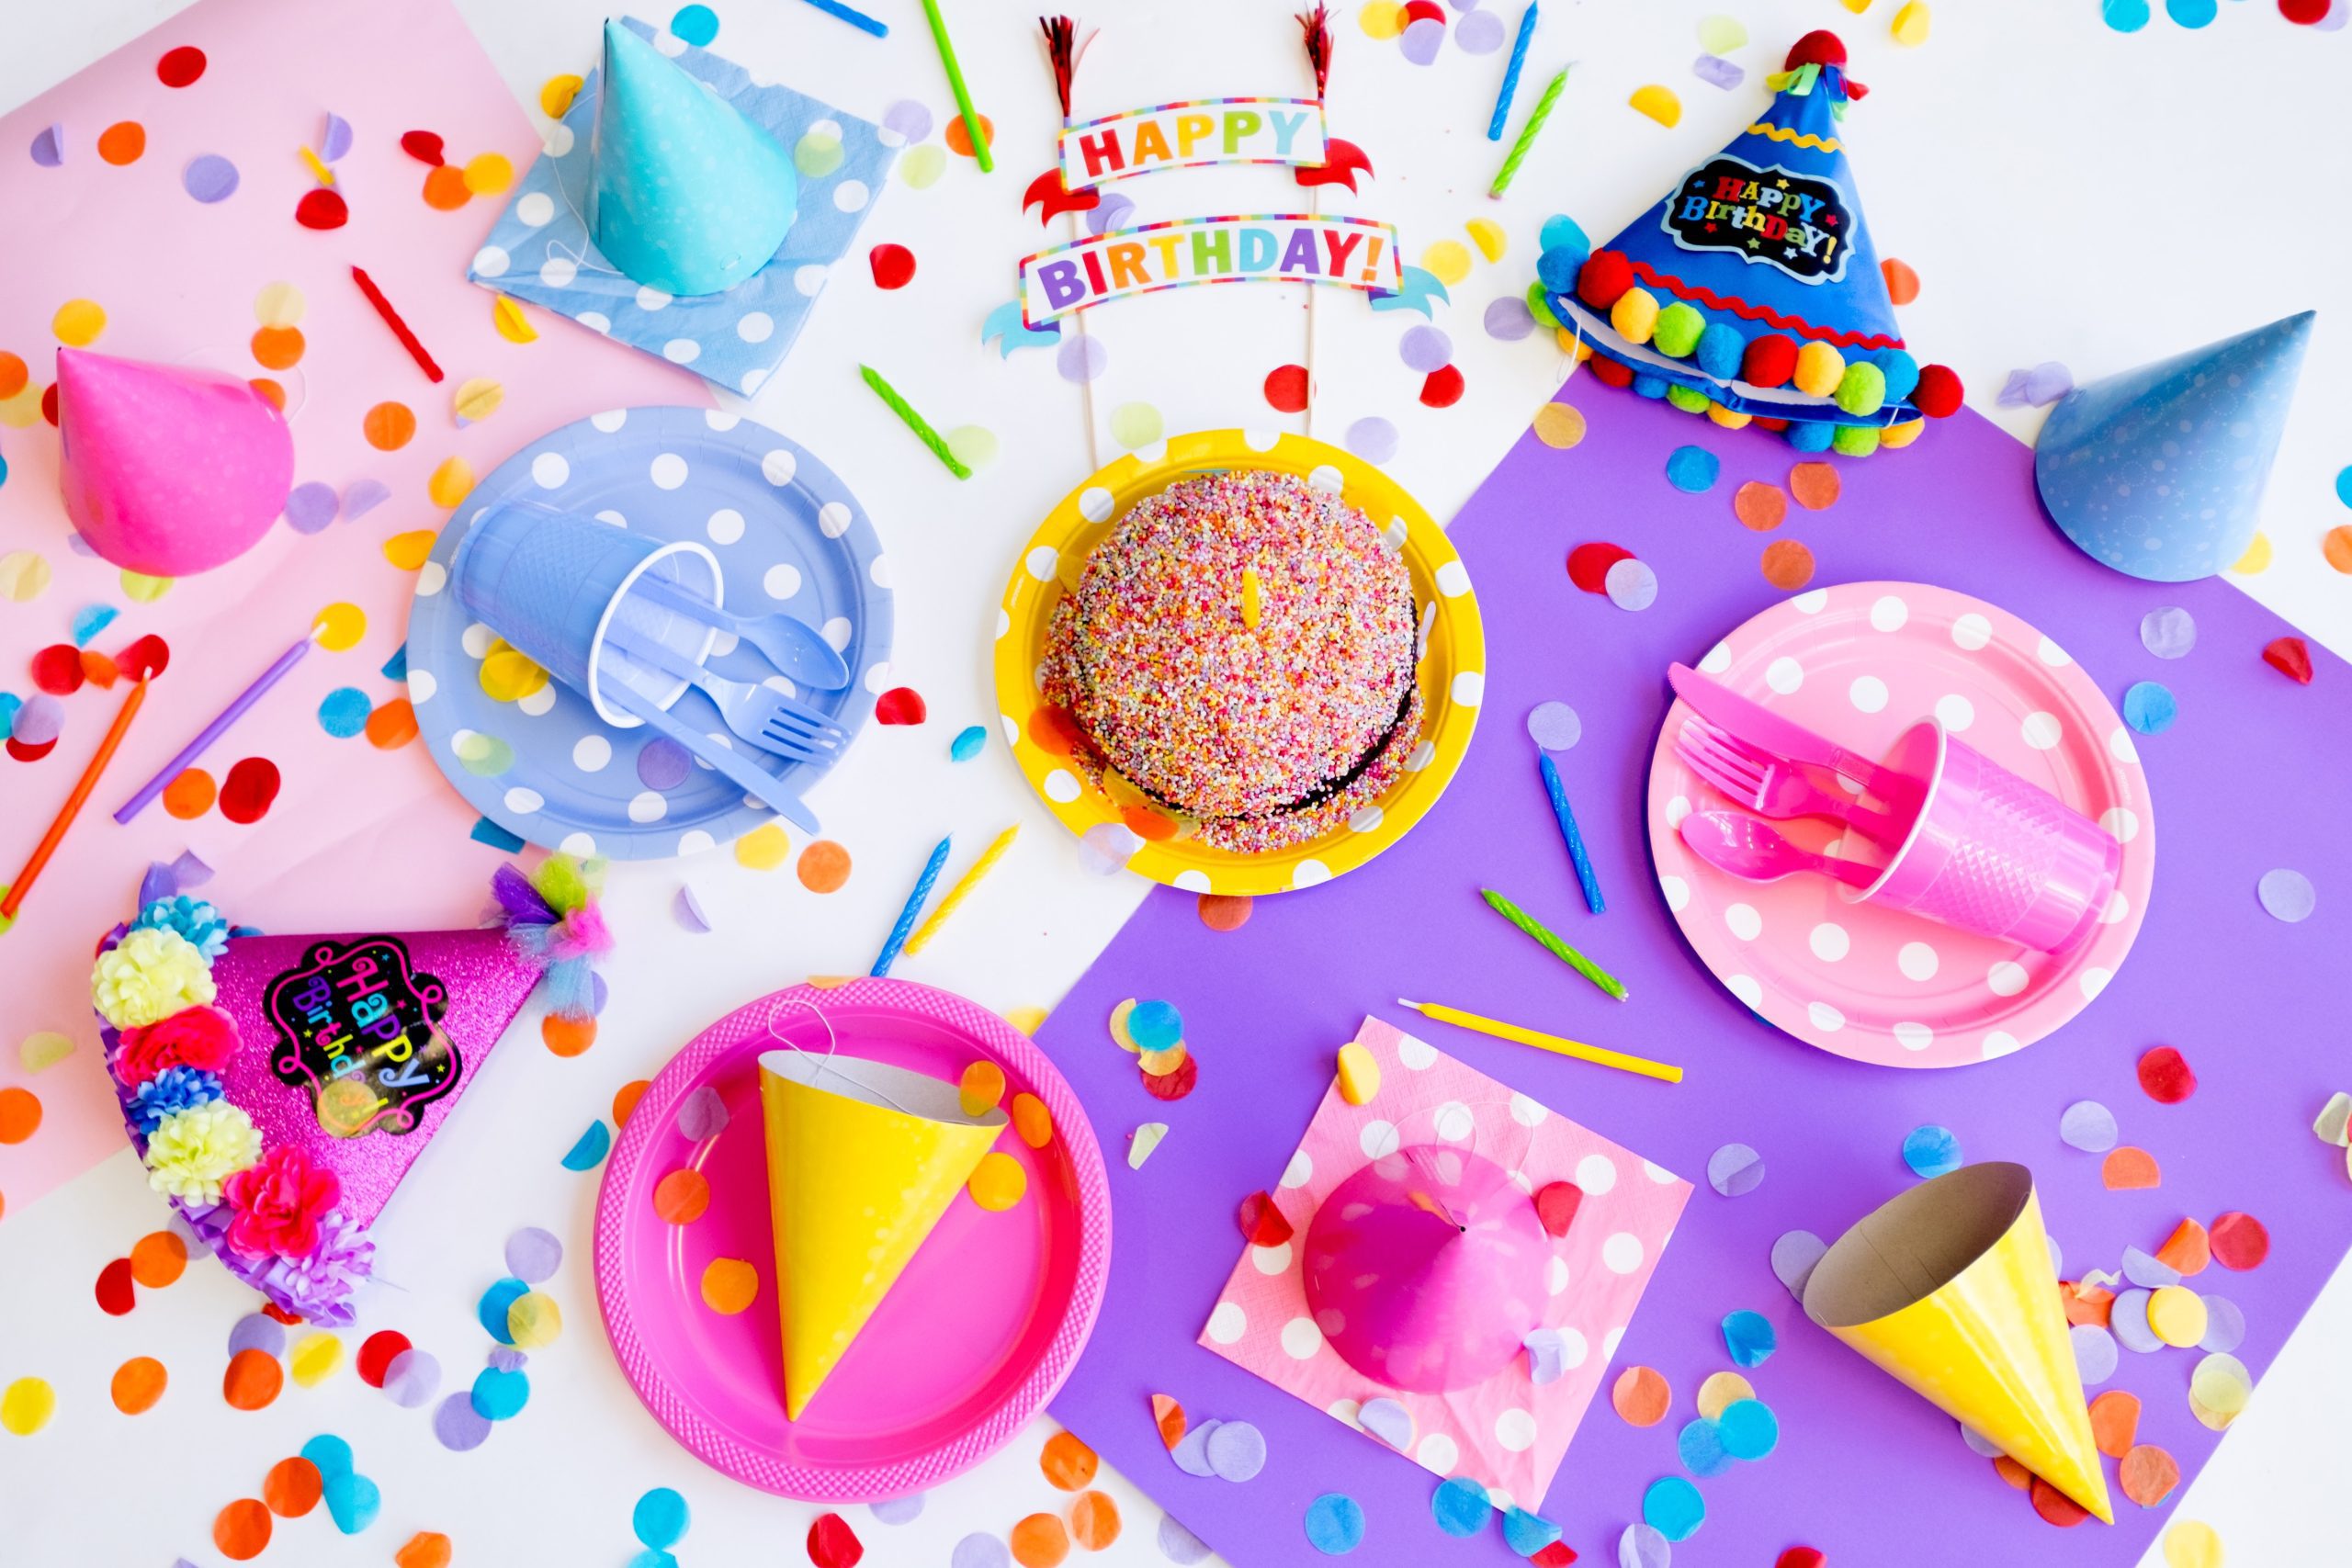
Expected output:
(426, 1549)
(1931, 1150)
(1734, 1169)
(1372, 438)
(241, 1530)
(43, 1049)
(1787, 565)
(377, 1354)
(293, 1487)
(1640, 1396)
(1794, 1257)
(2169, 633)
(2095, 1354)
(1642, 1547)
(998, 1182)
(2239, 1241)
(2087, 1125)
(257, 1331)
(823, 866)
(1286, 387)
(180, 67)
(2126, 1168)
(1720, 1391)
(1749, 1429)
(499, 1395)
(252, 1380)
(1443, 386)
(1692, 469)
(729, 1285)
(136, 1384)
(1559, 425)
(1673, 1507)
(2287, 895)
(322, 208)
(1460, 1506)
(1631, 585)
(1660, 104)
(1815, 486)
(315, 1359)
(1749, 1338)
(763, 848)
(2150, 707)
(411, 1377)
(893, 265)
(661, 1518)
(1334, 1521)
(2165, 1076)
(1068, 1462)
(897, 1510)
(457, 1426)
(588, 1152)
(1555, 725)
(208, 177)
(1760, 506)
(679, 1198)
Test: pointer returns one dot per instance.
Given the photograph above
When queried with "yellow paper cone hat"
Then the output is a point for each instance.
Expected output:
(1949, 1289)
(863, 1159)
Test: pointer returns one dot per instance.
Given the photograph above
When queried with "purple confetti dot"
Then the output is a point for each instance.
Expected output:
(1111, 212)
(1190, 1452)
(1794, 1256)
(898, 1510)
(1547, 1356)
(1425, 348)
(1555, 725)
(1631, 585)
(1979, 1444)
(1081, 358)
(598, 994)
(2169, 633)
(908, 118)
(363, 496)
(980, 1551)
(2128, 1318)
(1643, 1547)
(459, 1425)
(39, 721)
(702, 1114)
(312, 506)
(49, 147)
(1717, 71)
(1177, 1544)
(209, 177)
(532, 1255)
(1237, 1451)
(411, 1377)
(2288, 894)
(686, 908)
(1479, 33)
(1735, 1170)
(2094, 1352)
(1423, 40)
(259, 1332)
(1507, 320)
(2048, 382)
(2142, 1270)
(1373, 439)
(506, 1358)
(2087, 1125)
(2224, 1325)
(663, 763)
(336, 141)
(192, 871)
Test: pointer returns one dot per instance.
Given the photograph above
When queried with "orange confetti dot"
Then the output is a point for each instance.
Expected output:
(120, 144)
(292, 1487)
(1760, 506)
(99, 669)
(410, 551)
(138, 1385)
(980, 1088)
(1147, 824)
(2188, 1250)
(1787, 564)
(1039, 1540)
(1054, 732)
(626, 1098)
(680, 1196)
(2086, 1303)
(564, 1036)
(19, 1114)
(1902, 283)
(1032, 1119)
(959, 141)
(445, 187)
(729, 1285)
(1068, 1462)
(2127, 1168)
(271, 390)
(1641, 1397)
(1169, 1416)
(158, 1258)
(278, 348)
(388, 426)
(426, 1549)
(2148, 1474)
(2115, 1422)
(242, 1529)
(189, 794)
(1094, 1521)
(13, 375)
(1226, 912)
(2337, 547)
(2010, 1471)
(823, 866)
(393, 725)
(252, 1379)
(997, 1181)
(1815, 486)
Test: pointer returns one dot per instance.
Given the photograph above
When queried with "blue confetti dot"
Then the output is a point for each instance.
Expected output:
(1931, 1150)
(494, 1302)
(9, 704)
(90, 620)
(505, 841)
(1334, 1524)
(2343, 486)
(1155, 1025)
(1527, 1533)
(1673, 1507)
(396, 667)
(1748, 1428)
(2150, 707)
(3, 470)
(652, 1557)
(967, 743)
(500, 1395)
(1700, 1445)
(660, 1517)
(1750, 1338)
(695, 24)
(330, 1453)
(589, 1151)
(353, 1501)
(343, 712)
(2191, 13)
(2124, 16)
(1561, 232)
(1461, 1506)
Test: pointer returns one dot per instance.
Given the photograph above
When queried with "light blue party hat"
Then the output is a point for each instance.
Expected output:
(2158, 472)
(685, 195)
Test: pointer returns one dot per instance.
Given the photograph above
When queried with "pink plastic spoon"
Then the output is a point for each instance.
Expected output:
(1734, 842)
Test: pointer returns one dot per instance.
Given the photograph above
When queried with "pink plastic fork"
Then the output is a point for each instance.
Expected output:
(1772, 787)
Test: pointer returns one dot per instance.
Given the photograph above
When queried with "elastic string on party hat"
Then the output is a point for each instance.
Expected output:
(1063, 52)
(832, 1048)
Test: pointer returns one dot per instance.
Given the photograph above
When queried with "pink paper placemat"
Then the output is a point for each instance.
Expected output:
(356, 833)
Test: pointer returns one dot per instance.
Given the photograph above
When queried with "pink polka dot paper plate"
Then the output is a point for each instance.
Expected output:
(975, 1336)
(1859, 664)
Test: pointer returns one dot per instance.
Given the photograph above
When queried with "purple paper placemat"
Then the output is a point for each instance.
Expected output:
(1865, 1471)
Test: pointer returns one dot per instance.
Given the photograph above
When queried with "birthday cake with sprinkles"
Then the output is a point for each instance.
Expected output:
(1239, 652)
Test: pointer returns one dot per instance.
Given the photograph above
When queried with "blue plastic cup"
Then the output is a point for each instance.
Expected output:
(554, 584)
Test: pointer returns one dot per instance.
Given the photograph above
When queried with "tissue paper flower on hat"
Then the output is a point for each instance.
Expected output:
(278, 1203)
(149, 974)
(199, 1037)
(192, 1153)
(192, 917)
(168, 1094)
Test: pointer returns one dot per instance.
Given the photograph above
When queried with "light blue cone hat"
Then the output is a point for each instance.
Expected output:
(685, 195)
(2158, 472)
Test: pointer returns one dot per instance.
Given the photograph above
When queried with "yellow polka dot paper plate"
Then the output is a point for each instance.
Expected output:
(1118, 822)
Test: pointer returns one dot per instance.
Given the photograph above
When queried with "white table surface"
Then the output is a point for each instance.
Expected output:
(2002, 160)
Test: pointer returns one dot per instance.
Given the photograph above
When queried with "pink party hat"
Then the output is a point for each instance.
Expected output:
(166, 468)
(1425, 1269)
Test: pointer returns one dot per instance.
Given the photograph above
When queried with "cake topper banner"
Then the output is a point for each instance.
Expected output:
(1193, 134)
(1292, 247)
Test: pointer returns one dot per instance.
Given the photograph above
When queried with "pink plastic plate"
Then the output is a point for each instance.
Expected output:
(1859, 664)
(973, 1340)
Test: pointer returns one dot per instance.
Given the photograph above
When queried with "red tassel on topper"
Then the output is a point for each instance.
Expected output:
(1317, 25)
(1827, 50)
(1061, 50)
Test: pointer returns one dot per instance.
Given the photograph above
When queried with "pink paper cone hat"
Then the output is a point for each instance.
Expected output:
(167, 470)
(1425, 1269)
(279, 1088)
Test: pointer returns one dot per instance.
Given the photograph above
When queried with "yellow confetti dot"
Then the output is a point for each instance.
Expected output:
(1488, 236)
(1032, 1119)
(1720, 1391)
(27, 1406)
(1911, 25)
(1381, 19)
(314, 1359)
(556, 95)
(143, 587)
(2219, 1389)
(980, 1088)
(450, 483)
(1026, 1020)
(340, 626)
(42, 1049)
(2191, 1544)
(1721, 35)
(477, 400)
(21, 409)
(1449, 259)
(533, 1321)
(763, 848)
(78, 323)
(1137, 424)
(2256, 557)
(1359, 1075)
(729, 1285)
(975, 446)
(921, 166)
(24, 575)
(1559, 424)
(2177, 1314)
(279, 305)
(999, 1182)
(508, 676)
(1659, 104)
(1856, 7)
(1119, 1035)
(409, 551)
(512, 324)
(489, 173)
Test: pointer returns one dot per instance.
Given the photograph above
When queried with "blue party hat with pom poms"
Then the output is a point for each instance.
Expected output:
(685, 194)
(2158, 472)
(1751, 289)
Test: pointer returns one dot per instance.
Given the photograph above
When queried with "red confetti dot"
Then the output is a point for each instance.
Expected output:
(1444, 388)
(1261, 1223)
(2166, 1075)
(1286, 387)
(900, 704)
(2303, 13)
(424, 146)
(181, 66)
(246, 792)
(1226, 912)
(1556, 1203)
(116, 1292)
(832, 1544)
(1420, 10)
(144, 660)
(2055, 1507)
(2290, 658)
(2239, 1241)
(894, 266)
(1176, 1084)
(57, 668)
(271, 1309)
(376, 1355)
(1559, 1554)
(322, 208)
(1800, 1557)
(1588, 565)
(48, 403)
(27, 753)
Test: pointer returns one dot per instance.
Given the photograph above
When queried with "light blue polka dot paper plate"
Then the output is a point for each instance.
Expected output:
(787, 534)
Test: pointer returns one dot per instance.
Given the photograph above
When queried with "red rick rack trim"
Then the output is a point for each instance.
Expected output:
(1747, 312)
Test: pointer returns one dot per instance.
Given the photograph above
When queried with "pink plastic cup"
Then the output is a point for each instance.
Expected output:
(1989, 853)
